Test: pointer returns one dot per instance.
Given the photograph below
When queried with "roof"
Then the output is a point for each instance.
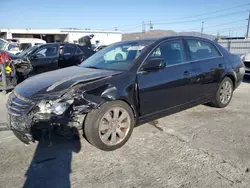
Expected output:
(161, 38)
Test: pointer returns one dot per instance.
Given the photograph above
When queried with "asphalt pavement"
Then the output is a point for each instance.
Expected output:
(199, 147)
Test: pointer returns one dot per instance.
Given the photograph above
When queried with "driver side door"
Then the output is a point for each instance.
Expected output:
(171, 87)
(45, 59)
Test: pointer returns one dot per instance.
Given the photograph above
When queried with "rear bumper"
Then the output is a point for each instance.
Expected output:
(247, 72)
(239, 76)
(247, 68)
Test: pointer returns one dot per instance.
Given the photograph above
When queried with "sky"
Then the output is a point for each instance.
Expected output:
(128, 15)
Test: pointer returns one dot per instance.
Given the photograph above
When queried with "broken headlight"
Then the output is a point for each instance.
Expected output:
(58, 108)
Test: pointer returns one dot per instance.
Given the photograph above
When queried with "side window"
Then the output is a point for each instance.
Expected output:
(69, 50)
(49, 51)
(202, 50)
(171, 51)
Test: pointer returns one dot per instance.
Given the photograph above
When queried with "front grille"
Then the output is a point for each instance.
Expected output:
(247, 65)
(18, 106)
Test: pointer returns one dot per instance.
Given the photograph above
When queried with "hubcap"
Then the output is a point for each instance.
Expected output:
(225, 92)
(114, 126)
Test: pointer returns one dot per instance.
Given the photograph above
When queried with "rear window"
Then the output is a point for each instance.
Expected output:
(202, 50)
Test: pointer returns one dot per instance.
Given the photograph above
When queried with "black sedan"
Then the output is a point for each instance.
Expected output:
(48, 57)
(154, 78)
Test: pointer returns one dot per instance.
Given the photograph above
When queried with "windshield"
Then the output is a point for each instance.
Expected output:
(116, 57)
(2, 44)
(28, 51)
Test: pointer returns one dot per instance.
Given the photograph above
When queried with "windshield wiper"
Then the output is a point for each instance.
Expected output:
(92, 67)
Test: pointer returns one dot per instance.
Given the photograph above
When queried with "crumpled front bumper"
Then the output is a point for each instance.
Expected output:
(20, 129)
(24, 118)
(19, 117)
(20, 125)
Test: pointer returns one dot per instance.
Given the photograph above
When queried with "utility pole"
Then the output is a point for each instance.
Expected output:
(218, 35)
(202, 29)
(248, 25)
(150, 25)
(143, 27)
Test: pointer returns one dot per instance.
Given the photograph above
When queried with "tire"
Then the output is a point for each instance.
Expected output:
(96, 121)
(218, 102)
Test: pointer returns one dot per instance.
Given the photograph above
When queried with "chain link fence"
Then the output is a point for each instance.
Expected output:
(239, 46)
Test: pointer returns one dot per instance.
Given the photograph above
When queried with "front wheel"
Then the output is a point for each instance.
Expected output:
(109, 127)
(224, 93)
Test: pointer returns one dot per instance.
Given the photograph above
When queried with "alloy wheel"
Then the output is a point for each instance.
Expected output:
(226, 92)
(114, 126)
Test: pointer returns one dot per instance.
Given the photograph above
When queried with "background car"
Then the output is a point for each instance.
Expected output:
(17, 45)
(246, 60)
(53, 56)
(48, 57)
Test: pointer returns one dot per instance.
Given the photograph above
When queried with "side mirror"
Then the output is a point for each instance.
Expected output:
(154, 64)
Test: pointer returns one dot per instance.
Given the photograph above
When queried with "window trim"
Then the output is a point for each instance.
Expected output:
(204, 40)
(168, 40)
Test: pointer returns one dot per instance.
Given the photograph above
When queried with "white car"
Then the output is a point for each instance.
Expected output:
(18, 45)
(246, 60)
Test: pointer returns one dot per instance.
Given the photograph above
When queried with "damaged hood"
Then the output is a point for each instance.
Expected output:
(60, 80)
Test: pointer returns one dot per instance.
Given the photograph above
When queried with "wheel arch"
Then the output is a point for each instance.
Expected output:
(232, 76)
(130, 105)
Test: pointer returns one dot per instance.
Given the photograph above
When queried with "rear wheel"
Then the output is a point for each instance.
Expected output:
(224, 93)
(109, 127)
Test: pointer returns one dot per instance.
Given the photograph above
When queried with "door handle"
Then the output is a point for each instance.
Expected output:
(186, 73)
(220, 66)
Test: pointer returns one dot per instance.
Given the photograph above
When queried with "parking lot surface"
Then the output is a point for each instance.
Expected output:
(199, 147)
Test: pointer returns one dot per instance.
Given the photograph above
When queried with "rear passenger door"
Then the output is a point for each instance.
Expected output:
(209, 62)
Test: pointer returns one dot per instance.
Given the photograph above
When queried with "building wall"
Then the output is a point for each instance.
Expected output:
(64, 35)
(102, 38)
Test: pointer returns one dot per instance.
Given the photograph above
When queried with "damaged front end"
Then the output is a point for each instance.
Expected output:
(55, 112)
(23, 68)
